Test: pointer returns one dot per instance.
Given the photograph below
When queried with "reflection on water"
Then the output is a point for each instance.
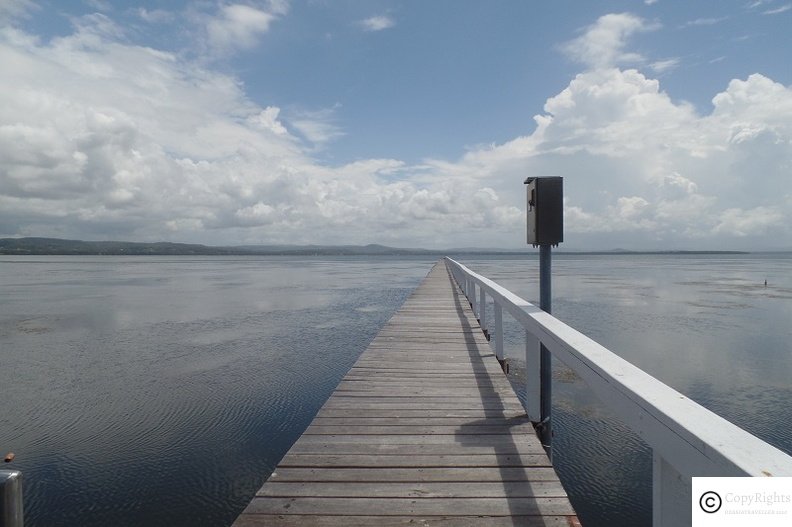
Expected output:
(706, 325)
(162, 391)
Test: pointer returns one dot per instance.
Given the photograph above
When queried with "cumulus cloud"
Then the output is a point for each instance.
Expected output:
(96, 132)
(101, 138)
(652, 170)
(603, 44)
(238, 26)
(740, 222)
(655, 171)
(377, 23)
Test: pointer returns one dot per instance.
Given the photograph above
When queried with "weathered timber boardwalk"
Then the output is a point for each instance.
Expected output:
(424, 429)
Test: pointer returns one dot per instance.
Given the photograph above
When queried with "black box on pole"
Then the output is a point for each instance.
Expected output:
(545, 210)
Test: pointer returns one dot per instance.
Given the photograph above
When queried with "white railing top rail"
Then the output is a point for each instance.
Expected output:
(696, 441)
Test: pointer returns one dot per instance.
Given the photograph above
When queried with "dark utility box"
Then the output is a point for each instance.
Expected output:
(545, 210)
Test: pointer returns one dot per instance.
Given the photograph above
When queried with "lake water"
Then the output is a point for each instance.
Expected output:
(163, 390)
(705, 325)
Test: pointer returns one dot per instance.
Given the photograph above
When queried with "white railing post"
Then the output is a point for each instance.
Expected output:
(498, 331)
(472, 297)
(483, 311)
(670, 495)
(533, 378)
(11, 498)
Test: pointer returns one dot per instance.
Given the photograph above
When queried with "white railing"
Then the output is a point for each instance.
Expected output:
(10, 498)
(686, 439)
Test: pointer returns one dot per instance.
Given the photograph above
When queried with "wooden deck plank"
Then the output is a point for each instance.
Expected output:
(416, 391)
(412, 430)
(421, 412)
(440, 405)
(517, 489)
(423, 429)
(396, 374)
(501, 506)
(470, 386)
(422, 449)
(298, 520)
(384, 462)
(458, 441)
(425, 474)
(456, 422)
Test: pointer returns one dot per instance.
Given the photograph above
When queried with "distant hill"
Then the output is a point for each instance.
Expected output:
(76, 247)
(57, 246)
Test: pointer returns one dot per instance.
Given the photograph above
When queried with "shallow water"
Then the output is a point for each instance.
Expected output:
(705, 325)
(163, 390)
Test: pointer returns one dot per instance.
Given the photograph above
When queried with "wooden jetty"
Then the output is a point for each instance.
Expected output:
(425, 429)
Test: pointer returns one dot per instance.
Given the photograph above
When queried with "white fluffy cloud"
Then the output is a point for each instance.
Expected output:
(238, 26)
(103, 139)
(377, 23)
(603, 44)
(644, 171)
(100, 138)
(656, 171)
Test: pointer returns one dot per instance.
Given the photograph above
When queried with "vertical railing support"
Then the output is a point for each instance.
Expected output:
(670, 495)
(533, 384)
(483, 312)
(11, 498)
(498, 331)
(472, 298)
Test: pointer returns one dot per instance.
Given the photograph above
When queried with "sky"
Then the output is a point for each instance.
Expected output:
(408, 123)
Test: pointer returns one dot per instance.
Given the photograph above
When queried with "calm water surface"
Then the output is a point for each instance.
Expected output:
(163, 390)
(705, 325)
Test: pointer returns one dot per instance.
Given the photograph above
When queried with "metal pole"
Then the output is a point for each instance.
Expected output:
(545, 364)
(10, 498)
